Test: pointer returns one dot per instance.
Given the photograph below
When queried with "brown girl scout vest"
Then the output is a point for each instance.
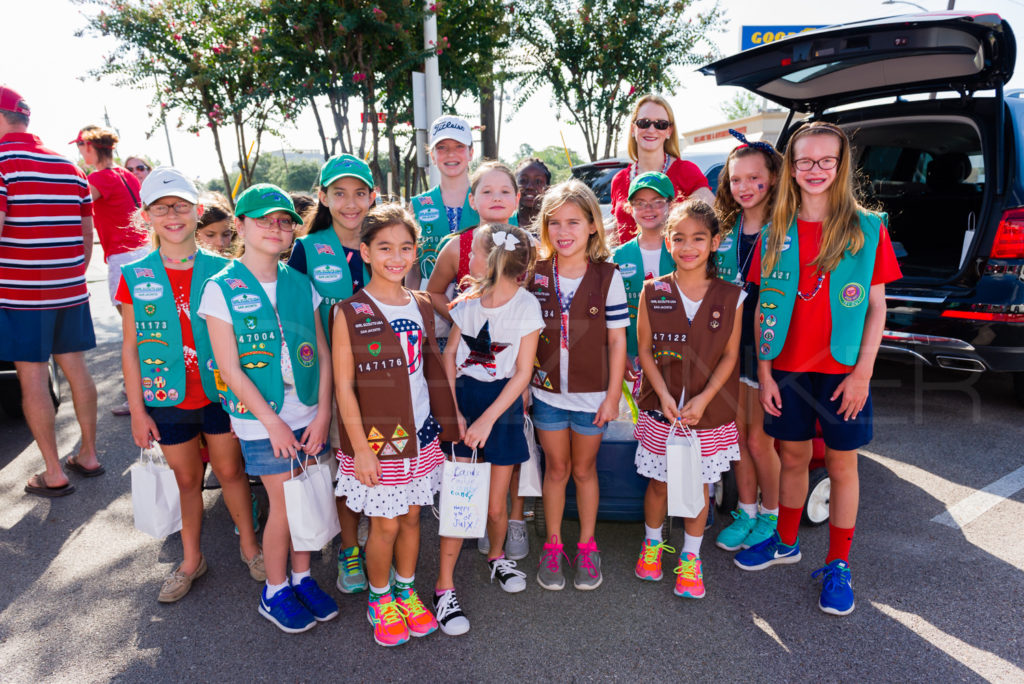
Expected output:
(382, 379)
(687, 353)
(588, 341)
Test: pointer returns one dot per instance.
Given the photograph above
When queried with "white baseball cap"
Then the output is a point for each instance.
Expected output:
(451, 128)
(167, 181)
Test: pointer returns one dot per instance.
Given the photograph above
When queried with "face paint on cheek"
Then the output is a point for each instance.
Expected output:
(760, 187)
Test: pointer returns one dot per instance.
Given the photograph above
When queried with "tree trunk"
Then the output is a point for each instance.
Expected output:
(319, 127)
(488, 126)
(393, 157)
(220, 160)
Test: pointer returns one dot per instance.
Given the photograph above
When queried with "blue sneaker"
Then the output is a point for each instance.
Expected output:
(768, 553)
(836, 588)
(286, 611)
(316, 600)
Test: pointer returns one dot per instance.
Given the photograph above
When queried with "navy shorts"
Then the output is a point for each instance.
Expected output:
(260, 460)
(177, 426)
(34, 334)
(507, 440)
(806, 399)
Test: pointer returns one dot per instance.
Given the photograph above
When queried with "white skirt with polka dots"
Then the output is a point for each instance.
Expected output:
(405, 483)
(719, 448)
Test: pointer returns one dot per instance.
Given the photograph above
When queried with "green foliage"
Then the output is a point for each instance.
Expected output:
(742, 104)
(598, 56)
(292, 176)
(553, 157)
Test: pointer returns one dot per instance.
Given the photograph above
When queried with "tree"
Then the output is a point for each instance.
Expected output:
(553, 157)
(598, 55)
(742, 104)
(292, 176)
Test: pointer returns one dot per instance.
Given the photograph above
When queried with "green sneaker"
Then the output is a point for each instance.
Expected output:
(731, 538)
(763, 528)
(351, 571)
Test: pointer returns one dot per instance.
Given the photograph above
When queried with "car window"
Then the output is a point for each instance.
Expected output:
(598, 179)
(977, 168)
(879, 163)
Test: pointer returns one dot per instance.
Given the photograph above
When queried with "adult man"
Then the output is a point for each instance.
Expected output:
(45, 246)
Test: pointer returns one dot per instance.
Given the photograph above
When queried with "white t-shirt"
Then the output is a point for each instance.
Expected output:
(293, 412)
(652, 262)
(494, 335)
(407, 323)
(691, 307)
(616, 315)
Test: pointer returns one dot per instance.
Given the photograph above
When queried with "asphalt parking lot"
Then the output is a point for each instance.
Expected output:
(937, 566)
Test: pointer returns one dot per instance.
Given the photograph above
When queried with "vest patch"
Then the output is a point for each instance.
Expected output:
(148, 292)
(307, 355)
(328, 273)
(726, 244)
(246, 303)
(664, 303)
(428, 214)
(541, 280)
(627, 270)
(852, 295)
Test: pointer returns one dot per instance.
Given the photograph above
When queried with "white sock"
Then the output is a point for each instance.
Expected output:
(404, 580)
(750, 509)
(770, 511)
(298, 577)
(653, 533)
(274, 588)
(691, 544)
(380, 590)
(516, 522)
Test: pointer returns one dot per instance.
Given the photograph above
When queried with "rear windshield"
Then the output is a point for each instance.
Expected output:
(599, 179)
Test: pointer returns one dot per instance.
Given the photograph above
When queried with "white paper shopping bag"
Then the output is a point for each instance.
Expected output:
(685, 483)
(309, 503)
(529, 472)
(465, 488)
(155, 499)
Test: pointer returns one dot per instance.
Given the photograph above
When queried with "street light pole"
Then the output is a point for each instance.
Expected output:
(432, 76)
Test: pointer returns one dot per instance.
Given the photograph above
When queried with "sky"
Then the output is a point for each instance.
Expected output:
(52, 74)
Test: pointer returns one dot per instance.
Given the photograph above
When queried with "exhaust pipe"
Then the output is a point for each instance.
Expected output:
(960, 364)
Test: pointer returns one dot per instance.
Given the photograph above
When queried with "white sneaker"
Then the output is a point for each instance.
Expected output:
(511, 580)
(450, 617)
(517, 544)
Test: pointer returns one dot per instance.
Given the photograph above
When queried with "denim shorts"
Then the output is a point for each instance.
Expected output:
(806, 400)
(260, 460)
(177, 426)
(548, 417)
(506, 445)
(34, 334)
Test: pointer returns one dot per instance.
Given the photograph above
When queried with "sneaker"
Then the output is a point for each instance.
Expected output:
(517, 544)
(351, 571)
(257, 569)
(418, 619)
(648, 566)
(178, 583)
(588, 566)
(689, 577)
(549, 572)
(483, 545)
(389, 628)
(768, 553)
(121, 409)
(763, 529)
(731, 538)
(450, 617)
(509, 579)
(836, 588)
(286, 611)
(316, 600)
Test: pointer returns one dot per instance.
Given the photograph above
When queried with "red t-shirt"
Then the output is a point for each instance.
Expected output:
(685, 176)
(807, 347)
(112, 212)
(181, 283)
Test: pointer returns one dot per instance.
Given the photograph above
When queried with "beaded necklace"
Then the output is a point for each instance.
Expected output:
(184, 260)
(664, 167)
(809, 297)
(563, 311)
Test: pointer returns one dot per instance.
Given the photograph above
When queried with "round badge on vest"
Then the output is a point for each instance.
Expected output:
(852, 295)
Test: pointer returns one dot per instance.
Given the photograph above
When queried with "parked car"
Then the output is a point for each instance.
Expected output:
(10, 389)
(947, 168)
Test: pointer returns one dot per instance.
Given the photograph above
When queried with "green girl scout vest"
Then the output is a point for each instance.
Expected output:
(849, 285)
(330, 272)
(259, 337)
(631, 266)
(726, 256)
(158, 330)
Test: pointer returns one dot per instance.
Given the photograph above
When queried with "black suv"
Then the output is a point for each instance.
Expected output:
(947, 167)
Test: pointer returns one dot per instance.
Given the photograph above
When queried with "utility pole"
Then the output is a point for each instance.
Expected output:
(432, 76)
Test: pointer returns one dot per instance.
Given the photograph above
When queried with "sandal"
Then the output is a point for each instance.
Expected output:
(37, 485)
(74, 465)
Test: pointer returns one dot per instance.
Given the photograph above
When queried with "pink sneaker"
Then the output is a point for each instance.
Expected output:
(389, 628)
(648, 566)
(689, 577)
(549, 572)
(418, 619)
(588, 566)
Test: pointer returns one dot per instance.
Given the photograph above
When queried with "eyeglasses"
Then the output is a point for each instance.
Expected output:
(164, 209)
(285, 224)
(140, 168)
(806, 164)
(657, 205)
(660, 124)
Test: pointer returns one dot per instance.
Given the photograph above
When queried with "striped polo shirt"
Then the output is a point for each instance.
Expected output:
(45, 197)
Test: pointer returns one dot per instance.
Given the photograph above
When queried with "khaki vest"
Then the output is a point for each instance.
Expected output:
(382, 379)
(588, 332)
(687, 353)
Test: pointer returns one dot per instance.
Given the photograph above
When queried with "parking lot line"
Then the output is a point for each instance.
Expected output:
(969, 509)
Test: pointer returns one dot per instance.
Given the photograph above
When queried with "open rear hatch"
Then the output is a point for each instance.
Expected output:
(816, 70)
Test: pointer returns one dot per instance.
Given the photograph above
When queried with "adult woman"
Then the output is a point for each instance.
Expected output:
(139, 167)
(654, 146)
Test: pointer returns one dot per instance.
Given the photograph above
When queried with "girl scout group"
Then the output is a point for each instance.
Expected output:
(754, 320)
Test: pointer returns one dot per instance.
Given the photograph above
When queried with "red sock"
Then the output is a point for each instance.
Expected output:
(789, 524)
(839, 541)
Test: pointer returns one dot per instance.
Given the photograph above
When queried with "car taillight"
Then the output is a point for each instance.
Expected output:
(1009, 240)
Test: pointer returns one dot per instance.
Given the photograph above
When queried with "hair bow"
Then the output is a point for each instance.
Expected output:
(505, 238)
(767, 147)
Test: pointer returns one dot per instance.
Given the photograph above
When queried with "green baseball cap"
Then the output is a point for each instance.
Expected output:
(345, 165)
(656, 181)
(265, 198)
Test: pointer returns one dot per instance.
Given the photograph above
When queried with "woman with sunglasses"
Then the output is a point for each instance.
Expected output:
(139, 167)
(654, 146)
